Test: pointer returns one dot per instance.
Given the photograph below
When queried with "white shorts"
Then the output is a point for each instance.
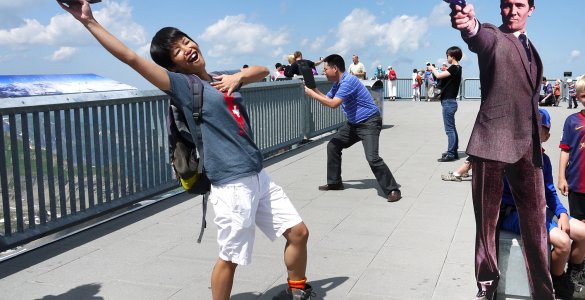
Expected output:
(243, 203)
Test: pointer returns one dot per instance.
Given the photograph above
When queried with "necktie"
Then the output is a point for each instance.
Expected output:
(524, 40)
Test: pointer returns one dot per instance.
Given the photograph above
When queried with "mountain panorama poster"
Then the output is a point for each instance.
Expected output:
(12, 86)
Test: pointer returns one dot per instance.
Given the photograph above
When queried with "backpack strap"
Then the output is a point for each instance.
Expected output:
(203, 221)
(196, 109)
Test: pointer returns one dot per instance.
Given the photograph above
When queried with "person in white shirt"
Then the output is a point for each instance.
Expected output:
(357, 68)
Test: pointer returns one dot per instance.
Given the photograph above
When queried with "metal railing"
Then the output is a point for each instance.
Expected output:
(469, 89)
(68, 158)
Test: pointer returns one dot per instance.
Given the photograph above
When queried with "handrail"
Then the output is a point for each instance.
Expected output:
(69, 158)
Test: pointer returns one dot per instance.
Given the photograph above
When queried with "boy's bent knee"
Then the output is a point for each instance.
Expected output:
(561, 241)
(297, 233)
(223, 264)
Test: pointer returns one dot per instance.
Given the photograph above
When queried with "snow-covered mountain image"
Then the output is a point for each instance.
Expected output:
(55, 84)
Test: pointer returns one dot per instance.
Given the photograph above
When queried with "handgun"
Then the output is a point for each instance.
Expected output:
(456, 2)
(76, 1)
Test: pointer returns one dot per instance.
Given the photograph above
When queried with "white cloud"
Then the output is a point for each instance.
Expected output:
(360, 30)
(144, 51)
(440, 15)
(20, 4)
(317, 43)
(65, 30)
(63, 53)
(233, 36)
(575, 54)
(277, 52)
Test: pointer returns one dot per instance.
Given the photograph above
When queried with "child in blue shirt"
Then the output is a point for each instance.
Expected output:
(561, 233)
(572, 161)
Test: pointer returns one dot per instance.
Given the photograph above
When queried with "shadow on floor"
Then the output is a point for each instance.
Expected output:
(320, 289)
(86, 291)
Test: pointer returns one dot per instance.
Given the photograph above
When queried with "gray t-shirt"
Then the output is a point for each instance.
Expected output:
(229, 151)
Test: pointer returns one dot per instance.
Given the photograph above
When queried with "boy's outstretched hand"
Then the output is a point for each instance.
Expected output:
(79, 10)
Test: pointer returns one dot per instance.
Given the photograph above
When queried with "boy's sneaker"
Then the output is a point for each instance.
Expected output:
(577, 275)
(297, 294)
(563, 286)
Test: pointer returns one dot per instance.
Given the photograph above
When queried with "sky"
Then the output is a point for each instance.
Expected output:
(38, 37)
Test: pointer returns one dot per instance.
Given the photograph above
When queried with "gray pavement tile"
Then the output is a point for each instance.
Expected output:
(415, 238)
(404, 257)
(395, 283)
(345, 263)
(136, 291)
(459, 252)
(457, 281)
(353, 242)
(169, 272)
(196, 290)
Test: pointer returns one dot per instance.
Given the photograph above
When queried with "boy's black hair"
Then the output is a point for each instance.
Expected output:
(278, 65)
(455, 52)
(162, 43)
(335, 60)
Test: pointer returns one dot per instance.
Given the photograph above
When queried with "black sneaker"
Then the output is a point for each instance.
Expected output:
(447, 158)
(576, 275)
(447, 153)
(297, 294)
(563, 286)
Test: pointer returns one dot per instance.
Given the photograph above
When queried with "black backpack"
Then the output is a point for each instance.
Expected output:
(186, 146)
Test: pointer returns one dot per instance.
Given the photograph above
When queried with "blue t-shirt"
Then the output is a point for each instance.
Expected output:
(358, 104)
(553, 202)
(554, 205)
(573, 141)
(229, 151)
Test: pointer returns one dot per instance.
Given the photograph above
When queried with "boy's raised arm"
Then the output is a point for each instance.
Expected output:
(149, 70)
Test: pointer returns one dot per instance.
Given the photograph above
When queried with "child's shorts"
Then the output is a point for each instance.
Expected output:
(244, 204)
(577, 205)
(512, 223)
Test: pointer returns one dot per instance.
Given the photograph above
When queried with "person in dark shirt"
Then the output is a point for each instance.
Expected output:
(294, 67)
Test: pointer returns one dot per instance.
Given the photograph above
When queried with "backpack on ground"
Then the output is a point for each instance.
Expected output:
(186, 146)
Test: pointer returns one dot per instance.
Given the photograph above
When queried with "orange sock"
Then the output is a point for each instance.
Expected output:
(297, 284)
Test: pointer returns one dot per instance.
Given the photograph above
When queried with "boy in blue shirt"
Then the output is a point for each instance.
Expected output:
(561, 233)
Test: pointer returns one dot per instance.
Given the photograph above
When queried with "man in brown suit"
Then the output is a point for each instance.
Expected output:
(505, 140)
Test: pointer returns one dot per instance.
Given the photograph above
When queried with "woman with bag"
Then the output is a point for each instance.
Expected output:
(450, 82)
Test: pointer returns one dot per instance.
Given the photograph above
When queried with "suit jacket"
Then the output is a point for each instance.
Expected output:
(507, 124)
